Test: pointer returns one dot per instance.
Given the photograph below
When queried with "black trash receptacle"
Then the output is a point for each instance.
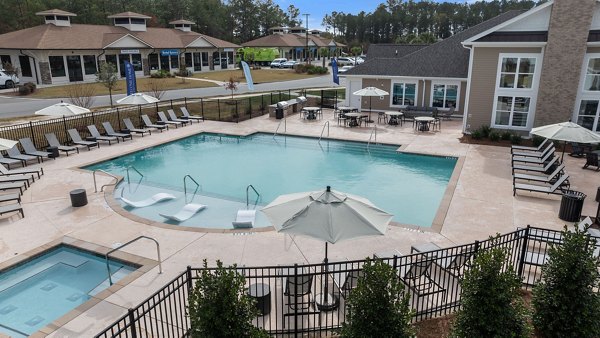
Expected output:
(78, 198)
(571, 206)
(279, 113)
(53, 152)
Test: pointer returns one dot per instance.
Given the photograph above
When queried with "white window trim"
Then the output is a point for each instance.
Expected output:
(456, 83)
(64, 65)
(407, 81)
(531, 93)
(585, 94)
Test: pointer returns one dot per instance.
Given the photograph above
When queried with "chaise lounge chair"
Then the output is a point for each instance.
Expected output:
(76, 139)
(548, 189)
(96, 134)
(525, 148)
(149, 201)
(536, 167)
(173, 117)
(539, 178)
(163, 119)
(535, 160)
(10, 161)
(18, 178)
(591, 159)
(29, 149)
(16, 154)
(111, 132)
(535, 154)
(129, 125)
(185, 213)
(53, 142)
(10, 197)
(11, 186)
(244, 219)
(186, 115)
(4, 209)
(149, 124)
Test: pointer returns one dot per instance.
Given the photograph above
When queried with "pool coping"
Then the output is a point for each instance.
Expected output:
(436, 225)
(142, 264)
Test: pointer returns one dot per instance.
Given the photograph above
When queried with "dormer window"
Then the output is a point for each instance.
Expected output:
(63, 18)
(182, 25)
(132, 21)
(136, 21)
(57, 17)
(122, 21)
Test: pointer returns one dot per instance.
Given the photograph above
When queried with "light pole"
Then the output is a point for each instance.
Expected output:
(306, 53)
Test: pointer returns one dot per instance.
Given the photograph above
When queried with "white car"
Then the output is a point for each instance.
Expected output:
(344, 61)
(345, 69)
(289, 64)
(277, 63)
(8, 81)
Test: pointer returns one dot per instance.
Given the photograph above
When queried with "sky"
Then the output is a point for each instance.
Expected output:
(318, 8)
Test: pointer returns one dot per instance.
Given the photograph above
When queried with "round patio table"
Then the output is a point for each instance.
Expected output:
(353, 118)
(311, 112)
(394, 115)
(423, 122)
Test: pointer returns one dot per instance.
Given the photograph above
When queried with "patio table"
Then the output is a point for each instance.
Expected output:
(311, 112)
(394, 115)
(423, 122)
(354, 118)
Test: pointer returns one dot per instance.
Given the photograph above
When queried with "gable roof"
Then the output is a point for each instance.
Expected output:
(387, 50)
(129, 15)
(288, 40)
(446, 58)
(55, 12)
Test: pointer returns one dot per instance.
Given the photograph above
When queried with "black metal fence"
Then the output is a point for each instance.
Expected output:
(292, 298)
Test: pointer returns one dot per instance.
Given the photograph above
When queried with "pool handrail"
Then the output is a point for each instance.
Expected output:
(279, 125)
(126, 244)
(185, 185)
(326, 124)
(373, 132)
(134, 169)
(106, 173)
(248, 197)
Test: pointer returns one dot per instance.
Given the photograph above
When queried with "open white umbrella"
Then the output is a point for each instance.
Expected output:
(327, 215)
(370, 92)
(137, 98)
(62, 109)
(7, 144)
(567, 132)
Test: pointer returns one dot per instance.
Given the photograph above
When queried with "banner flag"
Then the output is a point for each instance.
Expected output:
(334, 69)
(248, 75)
(130, 78)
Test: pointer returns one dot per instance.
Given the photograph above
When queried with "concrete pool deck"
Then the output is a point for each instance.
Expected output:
(481, 205)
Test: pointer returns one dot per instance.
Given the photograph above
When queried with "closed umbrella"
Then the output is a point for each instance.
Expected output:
(370, 92)
(137, 98)
(7, 144)
(327, 215)
(567, 132)
(62, 109)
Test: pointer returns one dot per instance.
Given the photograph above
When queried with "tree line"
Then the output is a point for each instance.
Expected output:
(395, 21)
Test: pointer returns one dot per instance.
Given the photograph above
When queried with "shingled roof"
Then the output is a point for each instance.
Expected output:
(288, 40)
(386, 50)
(447, 58)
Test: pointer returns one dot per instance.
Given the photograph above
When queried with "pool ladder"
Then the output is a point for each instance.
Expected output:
(134, 169)
(326, 124)
(250, 186)
(126, 244)
(106, 185)
(198, 186)
(284, 121)
(373, 133)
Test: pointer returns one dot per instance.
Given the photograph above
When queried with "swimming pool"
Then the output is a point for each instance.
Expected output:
(408, 186)
(35, 293)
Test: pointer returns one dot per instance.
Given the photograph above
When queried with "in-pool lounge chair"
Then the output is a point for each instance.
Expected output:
(186, 115)
(96, 134)
(53, 142)
(540, 178)
(525, 148)
(129, 125)
(10, 161)
(149, 124)
(29, 149)
(547, 189)
(4, 209)
(185, 213)
(536, 167)
(163, 119)
(173, 117)
(111, 132)
(535, 160)
(76, 139)
(535, 154)
(16, 154)
(149, 201)
(244, 219)
(9, 172)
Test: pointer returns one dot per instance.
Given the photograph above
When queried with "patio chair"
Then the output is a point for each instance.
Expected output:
(16, 154)
(76, 139)
(174, 118)
(536, 154)
(111, 132)
(544, 168)
(96, 134)
(148, 123)
(186, 115)
(10, 197)
(10, 161)
(53, 142)
(591, 159)
(547, 189)
(456, 264)
(539, 178)
(15, 185)
(297, 287)
(345, 281)
(534, 159)
(525, 148)
(29, 149)
(341, 118)
(417, 275)
(129, 125)
(4, 209)
(447, 114)
(8, 172)
(185, 213)
(18, 178)
(163, 119)
(579, 150)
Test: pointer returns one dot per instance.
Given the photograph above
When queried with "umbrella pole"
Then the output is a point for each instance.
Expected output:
(325, 289)
(563, 153)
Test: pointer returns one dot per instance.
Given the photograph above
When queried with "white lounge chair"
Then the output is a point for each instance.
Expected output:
(185, 213)
(534, 160)
(525, 148)
(548, 189)
(533, 153)
(539, 178)
(244, 219)
(536, 167)
(149, 201)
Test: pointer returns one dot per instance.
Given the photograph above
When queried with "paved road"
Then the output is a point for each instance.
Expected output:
(11, 106)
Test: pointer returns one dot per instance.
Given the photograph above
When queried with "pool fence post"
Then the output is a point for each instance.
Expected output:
(31, 130)
(119, 118)
(171, 101)
(523, 252)
(130, 314)
(188, 273)
(237, 112)
(219, 108)
(202, 106)
(185, 102)
(140, 115)
(156, 106)
(65, 125)
(295, 299)
(271, 102)
(262, 103)
(250, 105)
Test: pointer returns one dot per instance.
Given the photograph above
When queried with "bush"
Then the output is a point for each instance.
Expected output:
(160, 74)
(485, 131)
(32, 87)
(537, 140)
(24, 90)
(219, 306)
(476, 135)
(494, 136)
(564, 301)
(492, 305)
(378, 306)
(506, 135)
(516, 139)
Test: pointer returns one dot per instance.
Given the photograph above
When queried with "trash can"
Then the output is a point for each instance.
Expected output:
(571, 205)
(53, 152)
(78, 198)
(278, 113)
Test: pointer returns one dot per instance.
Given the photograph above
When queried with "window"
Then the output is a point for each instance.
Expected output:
(188, 60)
(121, 21)
(25, 66)
(135, 21)
(112, 59)
(205, 59)
(136, 61)
(197, 62)
(62, 18)
(89, 64)
(50, 17)
(517, 72)
(404, 94)
(588, 112)
(512, 111)
(4, 59)
(164, 62)
(592, 76)
(174, 62)
(57, 66)
(444, 95)
(230, 58)
(589, 115)
(153, 61)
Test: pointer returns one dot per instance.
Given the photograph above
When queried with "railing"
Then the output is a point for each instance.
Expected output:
(326, 124)
(134, 169)
(185, 185)
(126, 244)
(250, 186)
(279, 125)
(373, 132)
(435, 291)
(106, 185)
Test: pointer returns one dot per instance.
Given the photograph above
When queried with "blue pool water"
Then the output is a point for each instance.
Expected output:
(406, 185)
(34, 294)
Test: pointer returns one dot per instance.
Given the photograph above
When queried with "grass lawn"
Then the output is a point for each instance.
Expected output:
(258, 76)
(142, 84)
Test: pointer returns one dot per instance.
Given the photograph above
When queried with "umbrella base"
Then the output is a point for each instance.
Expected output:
(328, 305)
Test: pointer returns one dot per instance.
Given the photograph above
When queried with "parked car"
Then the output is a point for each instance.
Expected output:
(277, 63)
(345, 69)
(8, 81)
(289, 64)
(345, 61)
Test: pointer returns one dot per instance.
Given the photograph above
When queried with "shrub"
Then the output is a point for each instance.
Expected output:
(219, 306)
(506, 135)
(537, 140)
(160, 74)
(378, 306)
(564, 301)
(492, 305)
(515, 139)
(476, 135)
(32, 87)
(24, 90)
(485, 131)
(494, 136)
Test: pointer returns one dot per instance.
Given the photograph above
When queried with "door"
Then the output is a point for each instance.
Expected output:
(74, 68)
(353, 85)
(122, 59)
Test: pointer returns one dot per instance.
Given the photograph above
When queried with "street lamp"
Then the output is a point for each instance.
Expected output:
(306, 53)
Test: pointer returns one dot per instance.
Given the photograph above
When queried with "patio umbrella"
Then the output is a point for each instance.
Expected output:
(137, 98)
(567, 132)
(370, 92)
(7, 144)
(62, 109)
(327, 215)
